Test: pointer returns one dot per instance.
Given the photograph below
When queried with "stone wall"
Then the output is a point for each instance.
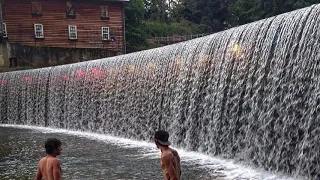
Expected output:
(44, 56)
(3, 54)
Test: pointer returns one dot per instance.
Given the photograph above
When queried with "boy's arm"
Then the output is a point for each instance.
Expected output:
(56, 170)
(38, 173)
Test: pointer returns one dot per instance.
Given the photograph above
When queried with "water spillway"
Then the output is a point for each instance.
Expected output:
(250, 93)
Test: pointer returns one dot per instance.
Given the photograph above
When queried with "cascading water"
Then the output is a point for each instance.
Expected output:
(250, 93)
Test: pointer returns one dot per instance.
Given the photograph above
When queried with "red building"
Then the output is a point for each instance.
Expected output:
(65, 23)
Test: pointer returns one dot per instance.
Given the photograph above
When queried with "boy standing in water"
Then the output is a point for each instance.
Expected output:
(49, 167)
(170, 160)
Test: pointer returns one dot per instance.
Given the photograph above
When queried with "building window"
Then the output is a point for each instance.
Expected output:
(105, 33)
(104, 12)
(71, 11)
(4, 28)
(38, 31)
(72, 32)
(36, 8)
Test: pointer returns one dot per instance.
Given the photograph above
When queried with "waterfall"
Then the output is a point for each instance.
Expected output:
(249, 93)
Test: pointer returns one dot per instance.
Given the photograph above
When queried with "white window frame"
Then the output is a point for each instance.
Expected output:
(104, 10)
(41, 31)
(105, 33)
(4, 29)
(73, 30)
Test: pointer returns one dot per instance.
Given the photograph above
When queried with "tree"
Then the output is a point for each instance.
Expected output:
(156, 10)
(243, 11)
(210, 14)
(135, 36)
(150, 18)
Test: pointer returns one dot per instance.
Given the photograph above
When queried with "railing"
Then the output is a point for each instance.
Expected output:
(174, 39)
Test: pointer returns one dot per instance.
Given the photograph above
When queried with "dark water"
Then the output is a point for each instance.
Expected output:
(93, 156)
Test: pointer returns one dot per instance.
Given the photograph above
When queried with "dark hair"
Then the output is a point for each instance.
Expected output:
(51, 145)
(162, 137)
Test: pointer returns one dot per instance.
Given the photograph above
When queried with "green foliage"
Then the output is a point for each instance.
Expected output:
(243, 11)
(135, 39)
(134, 11)
(135, 36)
(152, 18)
(155, 29)
(153, 45)
(156, 10)
(211, 14)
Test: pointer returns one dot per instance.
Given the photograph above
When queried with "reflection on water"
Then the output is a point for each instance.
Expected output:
(82, 158)
(94, 157)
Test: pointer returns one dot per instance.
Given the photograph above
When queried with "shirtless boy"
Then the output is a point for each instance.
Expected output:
(49, 167)
(170, 160)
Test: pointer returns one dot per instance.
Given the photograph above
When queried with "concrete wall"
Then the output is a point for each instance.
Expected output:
(4, 56)
(44, 56)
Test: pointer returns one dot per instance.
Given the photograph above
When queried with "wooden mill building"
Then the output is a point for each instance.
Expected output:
(65, 23)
